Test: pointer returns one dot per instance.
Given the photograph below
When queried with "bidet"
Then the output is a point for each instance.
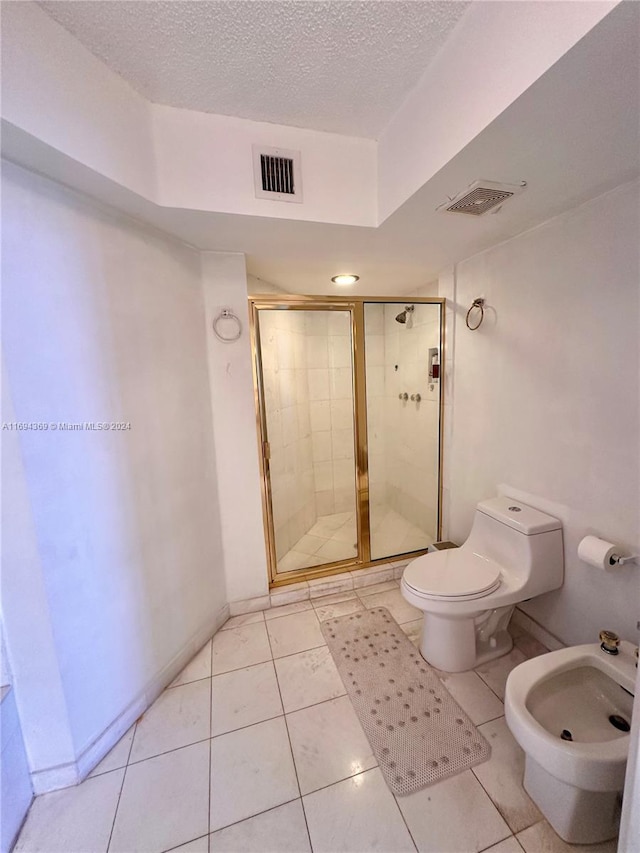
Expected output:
(570, 711)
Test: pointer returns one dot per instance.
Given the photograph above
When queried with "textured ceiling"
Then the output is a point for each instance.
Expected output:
(338, 65)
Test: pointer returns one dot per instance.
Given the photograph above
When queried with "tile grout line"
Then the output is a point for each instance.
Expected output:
(232, 627)
(242, 820)
(346, 779)
(484, 722)
(494, 804)
(185, 683)
(315, 704)
(242, 728)
(182, 844)
(486, 683)
(404, 820)
(544, 820)
(293, 758)
(124, 776)
(210, 750)
(495, 843)
(488, 793)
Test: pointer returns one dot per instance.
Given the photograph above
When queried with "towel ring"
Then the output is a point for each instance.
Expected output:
(227, 314)
(477, 303)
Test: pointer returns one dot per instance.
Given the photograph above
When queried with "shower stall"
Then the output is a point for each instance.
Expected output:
(349, 412)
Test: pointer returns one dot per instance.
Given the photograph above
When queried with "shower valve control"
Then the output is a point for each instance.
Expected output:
(416, 397)
(404, 396)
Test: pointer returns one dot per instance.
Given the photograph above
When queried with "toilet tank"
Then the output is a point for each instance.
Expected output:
(527, 542)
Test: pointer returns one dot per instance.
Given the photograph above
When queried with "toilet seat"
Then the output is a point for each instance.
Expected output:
(452, 575)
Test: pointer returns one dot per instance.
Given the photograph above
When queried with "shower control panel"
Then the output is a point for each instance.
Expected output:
(434, 364)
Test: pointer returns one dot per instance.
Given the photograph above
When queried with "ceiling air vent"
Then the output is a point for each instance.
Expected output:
(276, 174)
(481, 197)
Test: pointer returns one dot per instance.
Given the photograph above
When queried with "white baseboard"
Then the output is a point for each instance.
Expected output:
(66, 775)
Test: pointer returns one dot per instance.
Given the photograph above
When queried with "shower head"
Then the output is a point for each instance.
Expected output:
(402, 316)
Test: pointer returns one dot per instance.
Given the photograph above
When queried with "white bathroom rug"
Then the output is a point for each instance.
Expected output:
(418, 733)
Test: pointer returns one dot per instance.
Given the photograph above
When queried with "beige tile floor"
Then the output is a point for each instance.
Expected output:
(334, 537)
(256, 747)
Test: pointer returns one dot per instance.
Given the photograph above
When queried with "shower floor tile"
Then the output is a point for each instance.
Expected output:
(292, 775)
(335, 537)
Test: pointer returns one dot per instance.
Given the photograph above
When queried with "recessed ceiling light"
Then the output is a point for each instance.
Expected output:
(345, 279)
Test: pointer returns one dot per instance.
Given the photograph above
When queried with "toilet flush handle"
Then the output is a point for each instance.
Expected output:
(609, 642)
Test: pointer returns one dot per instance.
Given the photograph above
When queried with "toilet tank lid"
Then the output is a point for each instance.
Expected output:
(518, 515)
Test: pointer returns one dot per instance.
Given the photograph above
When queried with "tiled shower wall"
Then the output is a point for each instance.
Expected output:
(329, 359)
(411, 428)
(286, 391)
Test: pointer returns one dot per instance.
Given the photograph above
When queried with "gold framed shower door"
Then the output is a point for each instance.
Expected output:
(355, 306)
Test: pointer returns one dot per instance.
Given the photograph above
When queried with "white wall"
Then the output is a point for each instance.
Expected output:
(72, 101)
(16, 792)
(234, 423)
(5, 669)
(257, 286)
(26, 612)
(439, 117)
(545, 397)
(205, 162)
(112, 558)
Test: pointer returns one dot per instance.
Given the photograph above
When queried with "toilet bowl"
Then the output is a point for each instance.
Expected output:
(568, 710)
(467, 594)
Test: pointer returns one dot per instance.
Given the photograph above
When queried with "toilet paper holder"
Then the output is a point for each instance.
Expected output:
(603, 554)
(617, 560)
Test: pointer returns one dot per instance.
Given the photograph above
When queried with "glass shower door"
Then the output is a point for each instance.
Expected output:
(307, 380)
(402, 349)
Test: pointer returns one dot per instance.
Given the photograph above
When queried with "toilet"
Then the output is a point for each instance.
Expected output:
(570, 711)
(513, 553)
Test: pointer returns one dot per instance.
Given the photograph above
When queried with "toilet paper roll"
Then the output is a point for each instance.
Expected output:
(597, 552)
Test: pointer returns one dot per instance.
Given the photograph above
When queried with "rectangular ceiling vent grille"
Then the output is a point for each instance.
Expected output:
(481, 197)
(276, 174)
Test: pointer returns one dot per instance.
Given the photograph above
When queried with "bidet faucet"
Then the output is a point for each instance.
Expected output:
(609, 642)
